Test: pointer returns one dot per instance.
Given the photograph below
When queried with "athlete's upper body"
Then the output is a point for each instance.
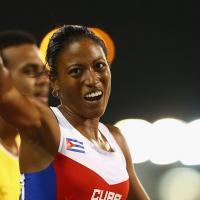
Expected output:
(22, 58)
(81, 79)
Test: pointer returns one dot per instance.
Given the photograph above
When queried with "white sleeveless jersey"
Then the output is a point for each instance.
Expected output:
(81, 170)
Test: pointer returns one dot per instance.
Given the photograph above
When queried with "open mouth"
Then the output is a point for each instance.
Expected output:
(93, 96)
(42, 97)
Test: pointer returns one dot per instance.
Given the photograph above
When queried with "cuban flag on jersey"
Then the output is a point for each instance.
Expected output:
(74, 145)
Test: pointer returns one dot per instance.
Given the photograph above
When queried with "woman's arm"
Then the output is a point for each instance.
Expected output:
(15, 108)
(136, 190)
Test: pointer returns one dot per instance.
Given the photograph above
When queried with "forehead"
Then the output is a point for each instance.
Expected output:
(83, 49)
(21, 55)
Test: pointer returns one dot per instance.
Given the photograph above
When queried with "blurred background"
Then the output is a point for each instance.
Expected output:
(155, 80)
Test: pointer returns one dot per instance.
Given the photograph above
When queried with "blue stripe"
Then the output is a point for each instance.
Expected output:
(73, 140)
(40, 185)
(76, 145)
(76, 150)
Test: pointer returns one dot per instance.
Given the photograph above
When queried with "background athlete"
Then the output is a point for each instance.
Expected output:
(22, 58)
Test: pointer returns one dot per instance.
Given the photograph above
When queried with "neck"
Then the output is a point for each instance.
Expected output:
(88, 127)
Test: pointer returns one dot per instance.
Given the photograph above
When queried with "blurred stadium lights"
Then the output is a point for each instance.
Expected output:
(191, 145)
(99, 32)
(163, 142)
(166, 146)
(138, 135)
(180, 184)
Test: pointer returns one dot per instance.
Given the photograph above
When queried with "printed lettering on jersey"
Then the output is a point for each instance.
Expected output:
(74, 145)
(105, 195)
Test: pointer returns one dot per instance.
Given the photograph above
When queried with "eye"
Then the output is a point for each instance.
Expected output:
(30, 71)
(33, 70)
(76, 71)
(100, 65)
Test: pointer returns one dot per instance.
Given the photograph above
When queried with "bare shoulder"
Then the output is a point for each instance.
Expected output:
(115, 131)
(118, 135)
(111, 127)
(136, 190)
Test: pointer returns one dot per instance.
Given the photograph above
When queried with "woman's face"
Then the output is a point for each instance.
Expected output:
(84, 78)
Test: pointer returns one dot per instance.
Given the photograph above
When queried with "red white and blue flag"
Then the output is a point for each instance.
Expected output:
(74, 145)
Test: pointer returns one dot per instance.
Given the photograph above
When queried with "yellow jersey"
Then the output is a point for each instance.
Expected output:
(9, 175)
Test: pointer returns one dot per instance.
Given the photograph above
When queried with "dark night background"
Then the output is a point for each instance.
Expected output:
(155, 73)
(156, 66)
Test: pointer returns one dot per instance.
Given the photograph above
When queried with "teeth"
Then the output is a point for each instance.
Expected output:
(94, 94)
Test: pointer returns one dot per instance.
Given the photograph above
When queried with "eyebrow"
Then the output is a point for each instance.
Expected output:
(32, 65)
(40, 69)
(100, 58)
(79, 64)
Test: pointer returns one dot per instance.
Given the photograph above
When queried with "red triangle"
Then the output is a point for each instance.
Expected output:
(69, 144)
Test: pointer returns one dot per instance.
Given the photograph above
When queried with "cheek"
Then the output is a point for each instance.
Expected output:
(107, 80)
(25, 85)
(72, 100)
(70, 93)
(108, 90)
(69, 87)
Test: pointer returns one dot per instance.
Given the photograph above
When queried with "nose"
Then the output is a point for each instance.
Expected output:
(43, 79)
(91, 78)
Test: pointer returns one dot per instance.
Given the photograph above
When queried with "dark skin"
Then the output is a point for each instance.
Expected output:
(82, 67)
(80, 72)
(23, 62)
(7, 137)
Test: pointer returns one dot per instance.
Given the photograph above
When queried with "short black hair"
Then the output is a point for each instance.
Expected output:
(11, 38)
(65, 36)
